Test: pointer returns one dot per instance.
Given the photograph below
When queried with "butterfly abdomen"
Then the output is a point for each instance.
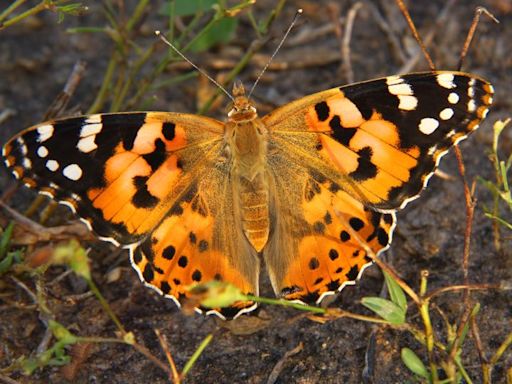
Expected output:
(254, 210)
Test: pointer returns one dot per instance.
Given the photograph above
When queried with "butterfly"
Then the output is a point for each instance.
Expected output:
(307, 190)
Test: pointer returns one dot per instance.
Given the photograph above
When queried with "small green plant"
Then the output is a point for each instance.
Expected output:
(500, 188)
(60, 7)
(134, 70)
(8, 258)
(393, 310)
(75, 257)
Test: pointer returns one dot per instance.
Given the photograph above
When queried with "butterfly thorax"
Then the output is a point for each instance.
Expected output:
(246, 137)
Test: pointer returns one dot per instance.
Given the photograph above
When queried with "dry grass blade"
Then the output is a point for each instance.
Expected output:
(347, 36)
(175, 376)
(274, 375)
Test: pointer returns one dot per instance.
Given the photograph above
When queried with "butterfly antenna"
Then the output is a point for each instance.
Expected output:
(162, 37)
(295, 18)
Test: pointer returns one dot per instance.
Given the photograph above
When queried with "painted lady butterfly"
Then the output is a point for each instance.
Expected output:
(195, 199)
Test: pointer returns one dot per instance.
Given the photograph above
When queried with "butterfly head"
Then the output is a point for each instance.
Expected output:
(242, 109)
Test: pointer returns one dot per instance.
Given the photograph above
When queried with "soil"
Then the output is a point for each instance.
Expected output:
(36, 58)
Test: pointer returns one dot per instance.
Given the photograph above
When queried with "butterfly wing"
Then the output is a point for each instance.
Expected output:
(149, 181)
(382, 139)
(354, 153)
(322, 236)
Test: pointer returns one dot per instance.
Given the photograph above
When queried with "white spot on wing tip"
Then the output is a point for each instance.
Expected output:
(72, 172)
(22, 146)
(428, 125)
(400, 89)
(445, 80)
(87, 144)
(446, 114)
(45, 132)
(453, 98)
(407, 103)
(93, 119)
(471, 105)
(52, 165)
(89, 129)
(390, 80)
(27, 164)
(42, 151)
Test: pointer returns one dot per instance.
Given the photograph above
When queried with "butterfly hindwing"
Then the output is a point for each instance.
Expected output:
(200, 240)
(321, 242)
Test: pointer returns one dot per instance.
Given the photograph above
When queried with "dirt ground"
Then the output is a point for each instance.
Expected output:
(36, 58)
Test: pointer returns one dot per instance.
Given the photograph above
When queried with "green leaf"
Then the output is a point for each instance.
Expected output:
(61, 333)
(28, 365)
(9, 260)
(75, 9)
(220, 32)
(413, 362)
(188, 7)
(386, 309)
(465, 330)
(396, 293)
(490, 186)
(499, 220)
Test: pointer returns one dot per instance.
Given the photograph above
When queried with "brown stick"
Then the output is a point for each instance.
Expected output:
(61, 101)
(415, 33)
(471, 33)
(470, 209)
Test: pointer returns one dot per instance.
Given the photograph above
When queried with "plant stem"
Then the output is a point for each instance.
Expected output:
(10, 9)
(190, 363)
(107, 79)
(105, 305)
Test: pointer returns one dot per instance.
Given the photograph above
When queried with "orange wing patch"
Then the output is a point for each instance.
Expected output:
(184, 250)
(140, 178)
(334, 254)
(364, 150)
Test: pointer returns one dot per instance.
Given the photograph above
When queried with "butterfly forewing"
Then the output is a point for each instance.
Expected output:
(119, 172)
(382, 139)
